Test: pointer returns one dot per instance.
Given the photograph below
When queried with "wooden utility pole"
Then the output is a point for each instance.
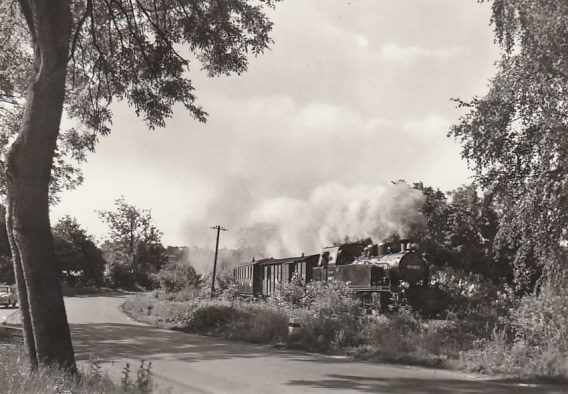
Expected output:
(219, 229)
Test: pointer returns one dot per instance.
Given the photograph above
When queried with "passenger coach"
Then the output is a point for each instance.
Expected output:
(260, 278)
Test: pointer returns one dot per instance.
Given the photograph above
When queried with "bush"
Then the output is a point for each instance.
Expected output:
(318, 333)
(176, 277)
(158, 308)
(225, 286)
(291, 294)
(532, 340)
(330, 320)
(119, 275)
(406, 337)
(242, 321)
(465, 289)
(486, 331)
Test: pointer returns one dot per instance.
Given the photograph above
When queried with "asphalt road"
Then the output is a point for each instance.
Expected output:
(185, 363)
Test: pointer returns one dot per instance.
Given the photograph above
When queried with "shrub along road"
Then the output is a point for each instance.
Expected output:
(186, 363)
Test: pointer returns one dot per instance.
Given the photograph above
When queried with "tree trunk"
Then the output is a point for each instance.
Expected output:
(29, 341)
(28, 172)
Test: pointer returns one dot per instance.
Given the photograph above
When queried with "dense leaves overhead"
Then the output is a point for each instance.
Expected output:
(139, 51)
(516, 137)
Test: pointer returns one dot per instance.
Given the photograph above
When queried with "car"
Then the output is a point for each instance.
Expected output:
(8, 296)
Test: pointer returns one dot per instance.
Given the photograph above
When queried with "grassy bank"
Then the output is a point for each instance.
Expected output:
(17, 377)
(332, 323)
(478, 335)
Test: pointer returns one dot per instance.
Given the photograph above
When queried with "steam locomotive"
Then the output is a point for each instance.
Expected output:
(383, 276)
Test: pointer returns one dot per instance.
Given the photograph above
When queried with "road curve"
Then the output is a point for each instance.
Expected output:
(185, 363)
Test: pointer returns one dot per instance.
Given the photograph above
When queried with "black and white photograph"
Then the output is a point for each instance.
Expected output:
(283, 196)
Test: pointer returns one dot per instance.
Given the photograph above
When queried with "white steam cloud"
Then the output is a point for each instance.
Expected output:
(333, 212)
(286, 226)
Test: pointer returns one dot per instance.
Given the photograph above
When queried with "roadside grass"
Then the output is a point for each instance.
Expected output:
(532, 341)
(403, 338)
(250, 322)
(526, 341)
(240, 321)
(17, 377)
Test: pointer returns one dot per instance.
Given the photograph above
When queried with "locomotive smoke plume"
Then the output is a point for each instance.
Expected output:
(333, 212)
(261, 226)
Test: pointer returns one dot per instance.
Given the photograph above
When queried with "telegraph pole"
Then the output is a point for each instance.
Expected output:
(219, 229)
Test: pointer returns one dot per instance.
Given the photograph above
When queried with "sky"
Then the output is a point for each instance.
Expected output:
(352, 95)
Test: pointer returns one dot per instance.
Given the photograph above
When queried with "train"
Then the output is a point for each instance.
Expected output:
(260, 278)
(383, 276)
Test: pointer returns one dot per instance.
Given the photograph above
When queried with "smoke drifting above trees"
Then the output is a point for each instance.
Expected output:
(331, 213)
(334, 212)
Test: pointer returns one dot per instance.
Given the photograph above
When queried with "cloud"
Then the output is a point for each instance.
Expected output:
(360, 40)
(329, 103)
(431, 125)
(392, 52)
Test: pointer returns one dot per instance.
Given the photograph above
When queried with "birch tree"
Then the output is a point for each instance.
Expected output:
(516, 136)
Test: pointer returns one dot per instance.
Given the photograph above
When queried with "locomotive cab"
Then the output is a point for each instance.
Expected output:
(334, 259)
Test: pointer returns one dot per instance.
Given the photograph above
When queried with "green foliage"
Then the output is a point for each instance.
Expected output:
(81, 261)
(319, 332)
(485, 332)
(328, 315)
(133, 249)
(406, 338)
(516, 139)
(140, 61)
(131, 51)
(291, 294)
(465, 289)
(324, 328)
(460, 232)
(92, 53)
(540, 327)
(332, 299)
(130, 226)
(225, 285)
(15, 68)
(143, 383)
(241, 321)
(117, 272)
(175, 277)
(18, 378)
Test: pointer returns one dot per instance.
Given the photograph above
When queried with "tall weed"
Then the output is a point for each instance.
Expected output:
(18, 378)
